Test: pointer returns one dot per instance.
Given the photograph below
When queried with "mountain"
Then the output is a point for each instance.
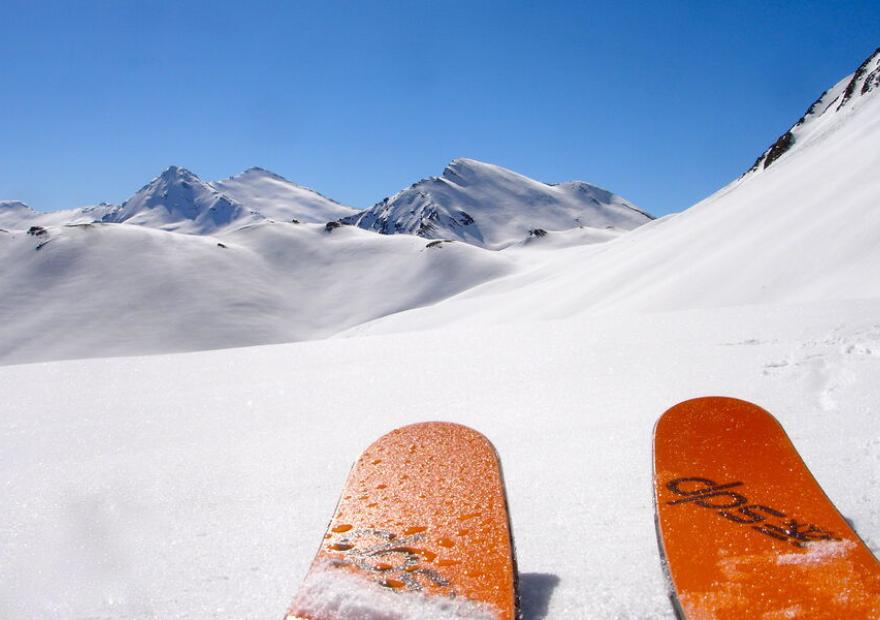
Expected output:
(804, 229)
(19, 216)
(277, 198)
(826, 112)
(492, 207)
(179, 201)
(15, 214)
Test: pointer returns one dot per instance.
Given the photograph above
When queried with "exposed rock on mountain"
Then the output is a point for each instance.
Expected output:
(492, 207)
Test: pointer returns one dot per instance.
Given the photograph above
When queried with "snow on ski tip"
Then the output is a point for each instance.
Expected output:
(743, 527)
(421, 531)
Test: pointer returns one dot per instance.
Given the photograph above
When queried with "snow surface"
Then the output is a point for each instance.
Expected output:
(96, 290)
(277, 198)
(492, 207)
(198, 485)
(331, 593)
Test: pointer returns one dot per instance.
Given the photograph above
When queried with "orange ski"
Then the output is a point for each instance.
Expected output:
(421, 531)
(745, 529)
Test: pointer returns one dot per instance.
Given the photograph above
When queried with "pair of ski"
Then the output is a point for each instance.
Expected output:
(422, 529)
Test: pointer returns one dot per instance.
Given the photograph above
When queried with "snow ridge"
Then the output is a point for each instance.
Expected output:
(846, 94)
(178, 200)
(493, 207)
(276, 198)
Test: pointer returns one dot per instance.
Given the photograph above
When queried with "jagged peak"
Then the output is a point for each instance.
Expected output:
(864, 80)
(841, 96)
(177, 173)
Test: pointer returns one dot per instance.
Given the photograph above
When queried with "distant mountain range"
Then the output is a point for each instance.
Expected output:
(179, 201)
(264, 260)
(478, 203)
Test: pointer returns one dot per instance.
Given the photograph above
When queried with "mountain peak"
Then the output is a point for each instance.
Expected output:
(256, 171)
(277, 198)
(492, 207)
(173, 174)
(843, 96)
(464, 168)
(179, 200)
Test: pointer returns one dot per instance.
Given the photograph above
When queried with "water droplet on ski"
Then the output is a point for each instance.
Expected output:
(413, 530)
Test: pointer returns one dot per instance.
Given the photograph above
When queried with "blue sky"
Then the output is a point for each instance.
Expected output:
(660, 102)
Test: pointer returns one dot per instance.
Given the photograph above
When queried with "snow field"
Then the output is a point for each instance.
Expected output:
(199, 485)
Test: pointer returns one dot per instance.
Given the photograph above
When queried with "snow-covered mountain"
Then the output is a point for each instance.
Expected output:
(277, 198)
(830, 109)
(178, 200)
(492, 207)
(122, 475)
(805, 229)
(17, 215)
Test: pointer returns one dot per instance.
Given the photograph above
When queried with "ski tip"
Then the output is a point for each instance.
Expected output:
(424, 431)
(422, 530)
(709, 409)
(744, 528)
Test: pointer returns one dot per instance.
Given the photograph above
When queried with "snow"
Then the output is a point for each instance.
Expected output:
(97, 290)
(277, 198)
(178, 200)
(806, 229)
(492, 207)
(818, 552)
(199, 484)
(330, 593)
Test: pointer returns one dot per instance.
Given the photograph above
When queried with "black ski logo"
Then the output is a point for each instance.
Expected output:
(735, 506)
(397, 562)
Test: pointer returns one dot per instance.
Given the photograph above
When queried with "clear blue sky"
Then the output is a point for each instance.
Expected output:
(660, 102)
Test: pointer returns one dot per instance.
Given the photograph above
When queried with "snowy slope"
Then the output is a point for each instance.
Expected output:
(279, 199)
(492, 207)
(199, 485)
(805, 229)
(114, 289)
(178, 200)
(826, 112)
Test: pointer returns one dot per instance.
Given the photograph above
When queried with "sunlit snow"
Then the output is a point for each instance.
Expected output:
(199, 485)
